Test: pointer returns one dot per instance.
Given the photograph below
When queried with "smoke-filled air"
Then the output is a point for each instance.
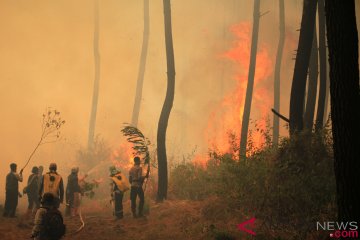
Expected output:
(179, 119)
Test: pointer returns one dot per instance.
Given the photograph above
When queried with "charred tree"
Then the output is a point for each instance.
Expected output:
(277, 73)
(323, 68)
(312, 85)
(301, 66)
(97, 77)
(168, 103)
(343, 48)
(327, 94)
(251, 76)
(142, 66)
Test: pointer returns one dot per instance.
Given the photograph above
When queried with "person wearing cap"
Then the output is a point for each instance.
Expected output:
(52, 182)
(12, 191)
(119, 185)
(73, 193)
(32, 190)
(136, 179)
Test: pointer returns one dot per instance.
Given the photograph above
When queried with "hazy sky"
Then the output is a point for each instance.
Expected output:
(46, 59)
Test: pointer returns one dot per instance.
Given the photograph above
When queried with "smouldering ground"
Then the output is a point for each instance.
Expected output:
(173, 219)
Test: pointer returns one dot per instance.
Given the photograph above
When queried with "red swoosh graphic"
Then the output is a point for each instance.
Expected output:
(242, 225)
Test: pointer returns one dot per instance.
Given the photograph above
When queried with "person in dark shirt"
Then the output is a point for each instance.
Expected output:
(136, 179)
(73, 192)
(32, 190)
(48, 223)
(40, 175)
(12, 191)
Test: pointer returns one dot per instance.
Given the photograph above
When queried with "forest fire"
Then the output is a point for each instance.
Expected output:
(227, 116)
(184, 120)
(200, 160)
(122, 157)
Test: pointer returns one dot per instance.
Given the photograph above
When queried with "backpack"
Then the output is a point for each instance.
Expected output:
(53, 222)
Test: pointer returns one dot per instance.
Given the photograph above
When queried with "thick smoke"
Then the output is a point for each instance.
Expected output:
(47, 60)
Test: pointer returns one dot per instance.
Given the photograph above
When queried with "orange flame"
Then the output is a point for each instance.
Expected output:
(122, 157)
(227, 116)
(200, 160)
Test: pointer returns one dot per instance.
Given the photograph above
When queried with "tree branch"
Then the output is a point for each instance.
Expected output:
(280, 116)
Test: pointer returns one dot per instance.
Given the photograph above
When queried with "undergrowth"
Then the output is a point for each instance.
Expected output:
(288, 189)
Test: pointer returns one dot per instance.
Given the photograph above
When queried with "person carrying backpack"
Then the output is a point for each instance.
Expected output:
(119, 185)
(52, 182)
(32, 189)
(49, 224)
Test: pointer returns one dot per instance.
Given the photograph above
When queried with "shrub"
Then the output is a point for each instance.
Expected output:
(289, 188)
(189, 181)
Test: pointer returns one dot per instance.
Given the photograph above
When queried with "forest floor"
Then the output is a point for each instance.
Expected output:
(172, 219)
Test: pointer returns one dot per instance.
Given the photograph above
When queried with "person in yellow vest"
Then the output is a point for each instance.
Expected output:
(119, 185)
(52, 182)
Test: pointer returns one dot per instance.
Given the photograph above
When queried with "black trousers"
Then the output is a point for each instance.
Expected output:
(11, 202)
(118, 198)
(134, 192)
(33, 200)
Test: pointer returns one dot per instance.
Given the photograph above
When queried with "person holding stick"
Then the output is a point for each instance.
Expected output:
(12, 191)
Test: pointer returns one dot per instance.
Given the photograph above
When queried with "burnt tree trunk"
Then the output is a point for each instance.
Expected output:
(327, 94)
(250, 84)
(319, 123)
(97, 77)
(142, 66)
(301, 66)
(344, 92)
(312, 85)
(168, 103)
(277, 73)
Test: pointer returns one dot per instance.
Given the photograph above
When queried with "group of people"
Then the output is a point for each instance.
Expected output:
(37, 185)
(119, 186)
(46, 192)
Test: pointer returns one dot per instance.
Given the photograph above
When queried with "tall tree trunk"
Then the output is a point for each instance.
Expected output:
(97, 77)
(168, 103)
(319, 123)
(344, 92)
(327, 94)
(301, 66)
(251, 76)
(312, 85)
(141, 73)
(277, 74)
